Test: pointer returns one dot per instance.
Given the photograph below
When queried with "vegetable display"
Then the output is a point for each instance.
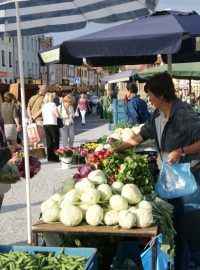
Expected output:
(43, 261)
(113, 189)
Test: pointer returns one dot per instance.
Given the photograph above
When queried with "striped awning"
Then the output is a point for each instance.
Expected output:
(47, 16)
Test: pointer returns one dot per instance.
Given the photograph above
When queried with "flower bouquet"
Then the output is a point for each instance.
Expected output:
(64, 152)
(65, 155)
(79, 155)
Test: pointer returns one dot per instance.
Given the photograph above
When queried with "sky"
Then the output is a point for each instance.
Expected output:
(180, 5)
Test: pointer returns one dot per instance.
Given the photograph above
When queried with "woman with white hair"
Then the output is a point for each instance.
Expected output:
(66, 112)
(83, 106)
(49, 115)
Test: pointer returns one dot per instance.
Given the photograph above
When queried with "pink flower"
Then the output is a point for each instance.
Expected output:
(84, 152)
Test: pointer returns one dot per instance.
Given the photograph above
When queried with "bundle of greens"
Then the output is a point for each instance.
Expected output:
(135, 169)
(163, 213)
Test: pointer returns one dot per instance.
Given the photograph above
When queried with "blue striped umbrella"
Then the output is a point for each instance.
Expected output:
(46, 16)
(32, 17)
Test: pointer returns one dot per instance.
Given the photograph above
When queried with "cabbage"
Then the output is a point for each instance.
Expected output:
(117, 187)
(71, 196)
(84, 207)
(132, 193)
(132, 209)
(118, 131)
(56, 197)
(85, 170)
(105, 191)
(90, 196)
(144, 205)
(111, 217)
(71, 216)
(127, 134)
(144, 218)
(97, 177)
(68, 185)
(126, 219)
(94, 215)
(136, 129)
(48, 204)
(51, 214)
(118, 203)
(84, 183)
(115, 136)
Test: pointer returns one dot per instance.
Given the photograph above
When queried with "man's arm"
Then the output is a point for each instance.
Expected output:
(134, 141)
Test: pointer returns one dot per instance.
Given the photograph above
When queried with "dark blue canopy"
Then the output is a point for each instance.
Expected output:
(139, 41)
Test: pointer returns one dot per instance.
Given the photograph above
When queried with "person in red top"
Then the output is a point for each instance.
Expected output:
(83, 106)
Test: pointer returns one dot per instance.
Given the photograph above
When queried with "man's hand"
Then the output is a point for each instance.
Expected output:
(174, 156)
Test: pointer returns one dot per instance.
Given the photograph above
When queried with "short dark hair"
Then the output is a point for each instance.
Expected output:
(161, 84)
(132, 87)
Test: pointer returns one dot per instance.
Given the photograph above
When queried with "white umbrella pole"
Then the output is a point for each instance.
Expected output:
(169, 62)
(24, 124)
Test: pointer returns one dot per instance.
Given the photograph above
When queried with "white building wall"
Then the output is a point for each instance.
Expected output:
(6, 59)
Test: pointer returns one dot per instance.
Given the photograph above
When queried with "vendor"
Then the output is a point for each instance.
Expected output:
(175, 127)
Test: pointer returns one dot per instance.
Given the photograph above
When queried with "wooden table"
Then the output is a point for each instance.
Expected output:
(41, 227)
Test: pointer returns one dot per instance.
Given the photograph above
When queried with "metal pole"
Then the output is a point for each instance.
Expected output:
(24, 124)
(169, 62)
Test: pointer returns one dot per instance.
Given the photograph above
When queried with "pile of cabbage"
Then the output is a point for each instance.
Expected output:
(93, 201)
(124, 134)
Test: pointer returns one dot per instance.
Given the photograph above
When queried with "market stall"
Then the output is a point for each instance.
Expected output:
(111, 195)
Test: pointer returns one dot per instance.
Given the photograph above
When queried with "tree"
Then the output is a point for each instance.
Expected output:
(112, 69)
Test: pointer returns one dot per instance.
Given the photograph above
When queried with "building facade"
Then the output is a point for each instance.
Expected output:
(6, 60)
(31, 65)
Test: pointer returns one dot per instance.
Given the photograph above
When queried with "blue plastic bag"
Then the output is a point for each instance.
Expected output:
(175, 180)
(161, 258)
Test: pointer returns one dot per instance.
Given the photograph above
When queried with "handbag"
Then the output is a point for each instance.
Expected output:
(33, 135)
(76, 114)
(175, 180)
(9, 174)
(60, 123)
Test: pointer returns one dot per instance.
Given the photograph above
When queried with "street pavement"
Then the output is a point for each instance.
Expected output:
(13, 217)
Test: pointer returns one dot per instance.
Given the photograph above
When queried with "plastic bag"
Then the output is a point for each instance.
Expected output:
(175, 180)
(161, 258)
(33, 134)
(76, 114)
(9, 174)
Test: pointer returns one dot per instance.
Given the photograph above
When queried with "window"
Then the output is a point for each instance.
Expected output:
(10, 59)
(3, 58)
(17, 68)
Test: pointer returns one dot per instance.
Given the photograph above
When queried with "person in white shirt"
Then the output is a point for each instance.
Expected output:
(66, 112)
(50, 114)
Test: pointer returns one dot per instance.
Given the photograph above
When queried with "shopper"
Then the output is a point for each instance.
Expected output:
(5, 156)
(66, 112)
(105, 104)
(19, 113)
(50, 114)
(83, 107)
(34, 109)
(136, 110)
(175, 127)
(11, 119)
